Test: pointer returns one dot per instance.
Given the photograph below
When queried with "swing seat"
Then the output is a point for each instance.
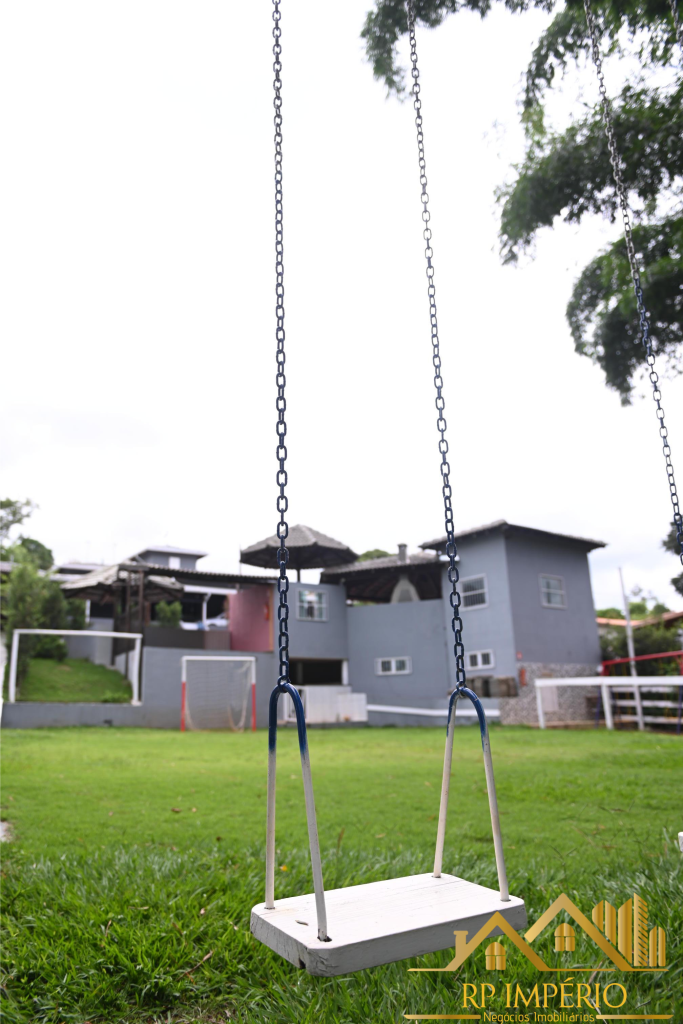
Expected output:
(380, 922)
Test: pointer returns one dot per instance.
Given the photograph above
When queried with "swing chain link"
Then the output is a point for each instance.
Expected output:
(677, 22)
(280, 379)
(447, 491)
(645, 337)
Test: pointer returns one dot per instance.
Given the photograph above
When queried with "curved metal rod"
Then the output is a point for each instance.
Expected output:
(490, 786)
(310, 807)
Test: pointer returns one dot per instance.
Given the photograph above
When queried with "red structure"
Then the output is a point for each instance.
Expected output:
(251, 619)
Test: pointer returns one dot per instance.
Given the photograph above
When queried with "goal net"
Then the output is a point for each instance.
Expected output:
(218, 693)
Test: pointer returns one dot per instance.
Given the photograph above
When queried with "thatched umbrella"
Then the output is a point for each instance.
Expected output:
(308, 549)
(105, 585)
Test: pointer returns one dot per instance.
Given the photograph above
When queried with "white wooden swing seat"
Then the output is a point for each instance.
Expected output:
(378, 922)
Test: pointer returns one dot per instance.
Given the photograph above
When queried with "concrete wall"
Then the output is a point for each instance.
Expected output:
(489, 627)
(252, 615)
(96, 648)
(161, 679)
(412, 629)
(310, 639)
(39, 715)
(552, 635)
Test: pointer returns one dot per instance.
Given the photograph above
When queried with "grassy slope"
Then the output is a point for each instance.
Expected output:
(97, 842)
(75, 679)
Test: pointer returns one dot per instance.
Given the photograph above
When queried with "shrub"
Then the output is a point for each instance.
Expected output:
(169, 614)
(50, 647)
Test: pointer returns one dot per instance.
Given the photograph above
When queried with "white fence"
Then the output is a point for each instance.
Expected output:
(327, 705)
(605, 683)
(18, 633)
(468, 711)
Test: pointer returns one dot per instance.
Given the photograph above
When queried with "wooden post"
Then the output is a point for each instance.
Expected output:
(128, 616)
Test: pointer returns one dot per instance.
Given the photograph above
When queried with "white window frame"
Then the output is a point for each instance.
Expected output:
(407, 671)
(554, 607)
(307, 618)
(474, 607)
(479, 668)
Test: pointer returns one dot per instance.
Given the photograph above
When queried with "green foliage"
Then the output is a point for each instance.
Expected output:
(75, 613)
(13, 513)
(636, 610)
(116, 909)
(646, 640)
(32, 600)
(41, 555)
(169, 614)
(52, 647)
(53, 605)
(373, 553)
(385, 25)
(602, 310)
(671, 544)
(567, 174)
(55, 678)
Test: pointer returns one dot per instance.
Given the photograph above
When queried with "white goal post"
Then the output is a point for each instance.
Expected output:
(18, 633)
(218, 692)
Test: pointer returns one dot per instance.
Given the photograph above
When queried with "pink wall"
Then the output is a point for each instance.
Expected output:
(251, 619)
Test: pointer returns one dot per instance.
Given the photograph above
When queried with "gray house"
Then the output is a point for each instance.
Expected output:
(383, 628)
(527, 611)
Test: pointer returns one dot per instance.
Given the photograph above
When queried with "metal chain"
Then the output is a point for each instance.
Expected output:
(280, 379)
(608, 120)
(677, 22)
(447, 491)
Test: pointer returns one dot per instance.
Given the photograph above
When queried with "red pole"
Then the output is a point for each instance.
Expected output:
(253, 707)
(183, 692)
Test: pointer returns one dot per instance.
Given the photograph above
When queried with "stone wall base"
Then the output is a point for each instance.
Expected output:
(573, 704)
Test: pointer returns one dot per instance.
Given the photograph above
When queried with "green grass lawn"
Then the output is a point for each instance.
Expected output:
(138, 854)
(75, 679)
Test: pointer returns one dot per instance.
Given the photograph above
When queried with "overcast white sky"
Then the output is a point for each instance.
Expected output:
(138, 370)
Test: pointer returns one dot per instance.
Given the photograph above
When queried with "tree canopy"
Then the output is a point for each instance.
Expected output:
(373, 553)
(28, 547)
(671, 544)
(566, 173)
(13, 513)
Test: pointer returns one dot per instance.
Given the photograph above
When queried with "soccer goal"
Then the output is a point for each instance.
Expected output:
(218, 693)
(85, 638)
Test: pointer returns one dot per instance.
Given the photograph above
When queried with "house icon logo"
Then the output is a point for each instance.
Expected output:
(624, 936)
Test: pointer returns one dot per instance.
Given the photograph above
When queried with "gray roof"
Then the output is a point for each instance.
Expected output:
(388, 562)
(79, 567)
(114, 577)
(167, 549)
(202, 575)
(308, 549)
(160, 580)
(504, 527)
(375, 579)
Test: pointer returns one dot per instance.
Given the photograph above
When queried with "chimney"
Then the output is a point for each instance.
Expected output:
(403, 553)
